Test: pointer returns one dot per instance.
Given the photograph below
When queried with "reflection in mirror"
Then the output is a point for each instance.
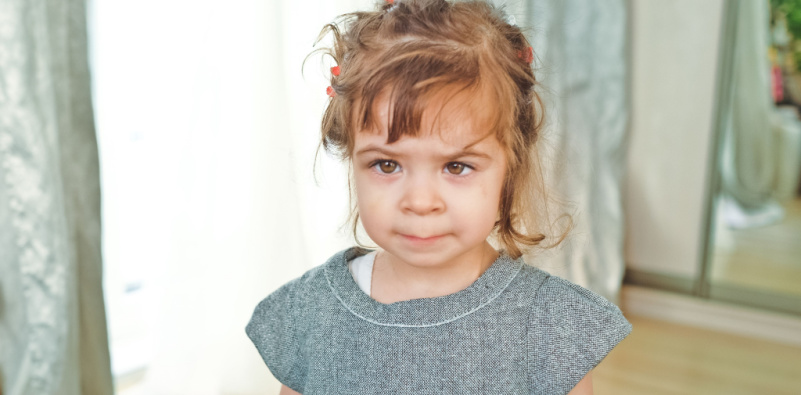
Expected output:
(757, 239)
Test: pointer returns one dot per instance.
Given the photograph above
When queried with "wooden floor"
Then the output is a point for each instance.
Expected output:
(766, 258)
(665, 358)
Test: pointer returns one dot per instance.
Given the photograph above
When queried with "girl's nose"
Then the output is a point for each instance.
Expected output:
(421, 196)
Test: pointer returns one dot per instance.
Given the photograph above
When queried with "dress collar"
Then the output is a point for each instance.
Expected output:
(418, 312)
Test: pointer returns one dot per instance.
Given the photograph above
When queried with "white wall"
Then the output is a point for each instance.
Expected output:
(674, 65)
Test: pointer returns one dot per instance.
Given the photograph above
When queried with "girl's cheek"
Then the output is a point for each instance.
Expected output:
(376, 206)
(373, 183)
(370, 191)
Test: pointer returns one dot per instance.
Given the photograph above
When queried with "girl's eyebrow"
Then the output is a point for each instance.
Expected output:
(465, 152)
(373, 148)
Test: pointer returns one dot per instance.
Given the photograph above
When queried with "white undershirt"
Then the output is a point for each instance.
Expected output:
(361, 268)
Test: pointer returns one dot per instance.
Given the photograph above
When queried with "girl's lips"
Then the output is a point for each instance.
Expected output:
(415, 239)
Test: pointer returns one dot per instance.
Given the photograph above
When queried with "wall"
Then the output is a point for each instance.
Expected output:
(674, 70)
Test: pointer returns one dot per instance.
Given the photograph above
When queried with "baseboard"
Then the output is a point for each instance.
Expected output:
(702, 313)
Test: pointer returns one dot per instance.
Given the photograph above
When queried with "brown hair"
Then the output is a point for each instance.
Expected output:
(413, 49)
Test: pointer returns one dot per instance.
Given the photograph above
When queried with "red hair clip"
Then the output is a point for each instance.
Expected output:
(335, 70)
(390, 1)
(527, 56)
(330, 91)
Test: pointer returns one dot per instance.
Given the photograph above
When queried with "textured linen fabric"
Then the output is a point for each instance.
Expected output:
(53, 337)
(515, 330)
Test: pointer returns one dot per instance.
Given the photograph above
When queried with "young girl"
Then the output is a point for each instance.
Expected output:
(433, 104)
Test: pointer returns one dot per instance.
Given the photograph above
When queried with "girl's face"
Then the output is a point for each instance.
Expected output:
(433, 199)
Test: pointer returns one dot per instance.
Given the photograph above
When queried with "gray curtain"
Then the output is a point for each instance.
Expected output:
(53, 337)
(748, 166)
(582, 63)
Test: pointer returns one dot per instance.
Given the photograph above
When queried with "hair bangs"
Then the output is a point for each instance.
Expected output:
(411, 77)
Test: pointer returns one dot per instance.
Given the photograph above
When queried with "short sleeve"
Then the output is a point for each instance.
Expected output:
(274, 330)
(570, 331)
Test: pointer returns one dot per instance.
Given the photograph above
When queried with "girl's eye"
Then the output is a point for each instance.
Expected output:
(386, 166)
(457, 168)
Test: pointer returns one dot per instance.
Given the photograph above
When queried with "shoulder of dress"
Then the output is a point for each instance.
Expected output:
(571, 329)
(546, 291)
(533, 272)
(556, 290)
(530, 279)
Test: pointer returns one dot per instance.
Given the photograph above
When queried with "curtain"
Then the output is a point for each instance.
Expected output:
(751, 162)
(581, 46)
(748, 171)
(208, 126)
(52, 317)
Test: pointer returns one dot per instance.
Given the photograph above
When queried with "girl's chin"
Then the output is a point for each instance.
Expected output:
(426, 258)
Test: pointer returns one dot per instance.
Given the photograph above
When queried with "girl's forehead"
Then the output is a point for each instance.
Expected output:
(463, 118)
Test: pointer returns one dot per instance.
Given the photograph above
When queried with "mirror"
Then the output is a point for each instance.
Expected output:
(755, 255)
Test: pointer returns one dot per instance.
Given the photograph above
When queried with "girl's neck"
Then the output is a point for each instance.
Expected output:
(394, 280)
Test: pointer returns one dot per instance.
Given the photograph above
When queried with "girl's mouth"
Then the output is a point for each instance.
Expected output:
(421, 240)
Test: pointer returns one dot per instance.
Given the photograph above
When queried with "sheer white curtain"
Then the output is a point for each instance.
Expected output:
(208, 133)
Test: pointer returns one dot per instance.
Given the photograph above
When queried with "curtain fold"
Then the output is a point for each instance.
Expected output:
(749, 168)
(52, 317)
(755, 153)
(582, 61)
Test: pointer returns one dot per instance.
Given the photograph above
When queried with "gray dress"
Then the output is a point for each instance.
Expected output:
(515, 330)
